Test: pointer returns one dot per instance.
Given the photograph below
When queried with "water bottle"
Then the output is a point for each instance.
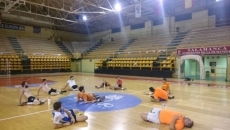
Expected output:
(49, 101)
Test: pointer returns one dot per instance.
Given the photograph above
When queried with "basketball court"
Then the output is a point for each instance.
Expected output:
(207, 106)
(141, 41)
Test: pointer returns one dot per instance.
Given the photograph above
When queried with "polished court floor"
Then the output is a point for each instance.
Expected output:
(209, 107)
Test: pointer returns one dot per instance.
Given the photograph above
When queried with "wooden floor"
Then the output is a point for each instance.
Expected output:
(209, 107)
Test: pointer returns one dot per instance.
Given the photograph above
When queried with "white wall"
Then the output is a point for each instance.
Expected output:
(200, 19)
(212, 21)
(87, 65)
(221, 64)
(165, 27)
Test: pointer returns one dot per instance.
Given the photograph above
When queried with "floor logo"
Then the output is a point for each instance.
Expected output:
(113, 101)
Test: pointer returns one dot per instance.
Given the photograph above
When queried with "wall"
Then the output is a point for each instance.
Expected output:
(76, 66)
(70, 36)
(125, 32)
(168, 22)
(105, 35)
(45, 33)
(87, 65)
(228, 69)
(221, 64)
(199, 19)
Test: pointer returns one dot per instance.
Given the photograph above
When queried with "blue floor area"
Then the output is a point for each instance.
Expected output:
(113, 101)
(211, 78)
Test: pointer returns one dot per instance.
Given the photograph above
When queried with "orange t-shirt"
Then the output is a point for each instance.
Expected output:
(159, 93)
(85, 96)
(165, 86)
(166, 117)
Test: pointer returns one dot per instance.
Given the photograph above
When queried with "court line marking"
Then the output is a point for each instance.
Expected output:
(24, 115)
(33, 112)
(44, 111)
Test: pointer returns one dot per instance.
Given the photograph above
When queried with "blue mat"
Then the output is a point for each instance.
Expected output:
(113, 101)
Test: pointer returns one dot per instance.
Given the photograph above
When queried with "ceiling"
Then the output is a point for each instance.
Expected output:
(67, 14)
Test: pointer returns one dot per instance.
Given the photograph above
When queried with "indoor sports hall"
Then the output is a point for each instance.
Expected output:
(115, 64)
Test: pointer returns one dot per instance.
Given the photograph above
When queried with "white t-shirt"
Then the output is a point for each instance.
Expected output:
(71, 83)
(45, 87)
(26, 92)
(59, 116)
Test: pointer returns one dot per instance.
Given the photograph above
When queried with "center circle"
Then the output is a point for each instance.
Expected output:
(113, 101)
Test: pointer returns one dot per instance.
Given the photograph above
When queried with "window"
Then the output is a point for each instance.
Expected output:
(115, 30)
(137, 26)
(183, 17)
(157, 22)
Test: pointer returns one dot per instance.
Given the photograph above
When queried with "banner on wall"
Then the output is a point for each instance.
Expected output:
(204, 50)
(188, 3)
(36, 29)
(138, 10)
(12, 26)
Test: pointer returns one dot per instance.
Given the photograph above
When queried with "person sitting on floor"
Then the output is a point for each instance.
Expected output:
(47, 89)
(29, 96)
(118, 86)
(175, 120)
(72, 84)
(63, 117)
(88, 97)
(104, 84)
(166, 86)
(158, 95)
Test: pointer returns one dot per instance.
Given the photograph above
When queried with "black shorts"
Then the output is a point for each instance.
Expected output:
(52, 90)
(119, 85)
(73, 114)
(104, 84)
(31, 99)
(74, 86)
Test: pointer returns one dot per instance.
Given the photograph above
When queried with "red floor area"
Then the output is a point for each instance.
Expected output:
(19, 80)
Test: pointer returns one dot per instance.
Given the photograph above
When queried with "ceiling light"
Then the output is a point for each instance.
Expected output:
(117, 7)
(84, 18)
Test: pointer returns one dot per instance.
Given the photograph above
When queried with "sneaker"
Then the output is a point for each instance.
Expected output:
(123, 88)
(63, 91)
(75, 89)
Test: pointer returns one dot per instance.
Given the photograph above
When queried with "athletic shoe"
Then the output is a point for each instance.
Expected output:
(75, 89)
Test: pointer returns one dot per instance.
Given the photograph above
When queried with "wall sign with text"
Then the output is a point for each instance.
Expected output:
(12, 26)
(204, 50)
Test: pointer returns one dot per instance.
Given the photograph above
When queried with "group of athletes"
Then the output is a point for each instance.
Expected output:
(63, 117)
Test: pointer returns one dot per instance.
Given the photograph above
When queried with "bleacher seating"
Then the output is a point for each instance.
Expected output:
(49, 62)
(149, 46)
(107, 49)
(10, 62)
(69, 46)
(147, 62)
(168, 63)
(207, 37)
(39, 46)
(5, 46)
